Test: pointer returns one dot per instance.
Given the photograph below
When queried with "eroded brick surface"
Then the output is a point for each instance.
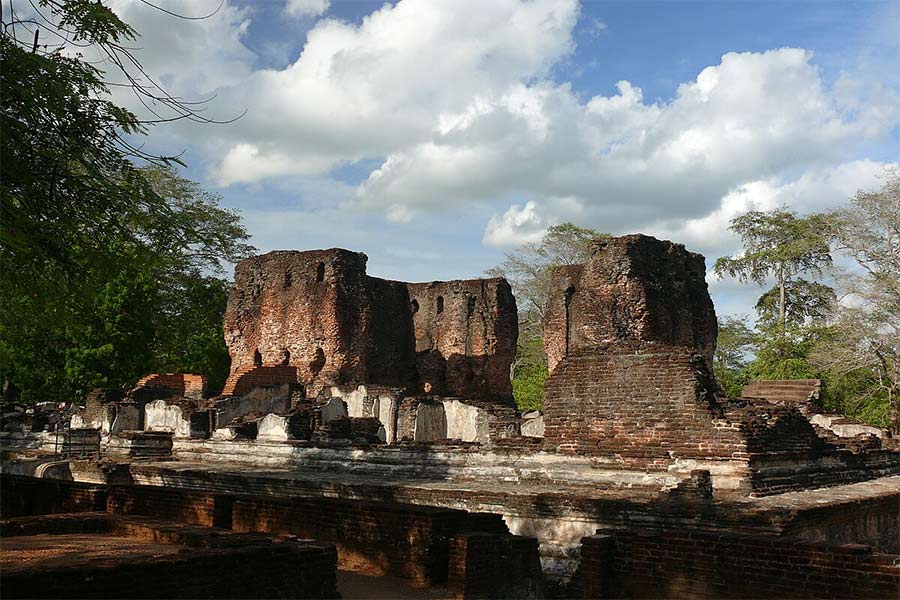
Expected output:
(321, 314)
(634, 288)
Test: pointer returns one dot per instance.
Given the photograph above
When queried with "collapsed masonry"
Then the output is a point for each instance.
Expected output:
(629, 338)
(383, 391)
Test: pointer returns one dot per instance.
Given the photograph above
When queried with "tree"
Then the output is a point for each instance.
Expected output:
(528, 270)
(154, 307)
(733, 345)
(782, 245)
(863, 355)
(98, 258)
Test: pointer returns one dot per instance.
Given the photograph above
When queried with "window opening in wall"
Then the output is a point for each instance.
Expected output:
(320, 272)
(570, 291)
(440, 304)
(286, 357)
(470, 307)
(415, 306)
(287, 279)
(257, 358)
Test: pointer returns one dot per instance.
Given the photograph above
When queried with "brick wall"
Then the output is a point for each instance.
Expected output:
(490, 565)
(645, 402)
(682, 564)
(212, 563)
(319, 312)
(633, 288)
(242, 380)
(381, 538)
(182, 506)
(802, 393)
(466, 334)
(22, 496)
(182, 384)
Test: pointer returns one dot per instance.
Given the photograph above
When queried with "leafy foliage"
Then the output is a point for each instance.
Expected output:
(805, 301)
(733, 346)
(107, 270)
(862, 358)
(779, 243)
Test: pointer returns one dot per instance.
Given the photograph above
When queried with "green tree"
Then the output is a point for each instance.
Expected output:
(734, 344)
(862, 357)
(782, 245)
(528, 270)
(100, 260)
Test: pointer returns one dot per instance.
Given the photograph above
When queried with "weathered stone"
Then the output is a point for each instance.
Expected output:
(161, 416)
(334, 409)
(633, 288)
(431, 423)
(533, 427)
(319, 312)
(466, 335)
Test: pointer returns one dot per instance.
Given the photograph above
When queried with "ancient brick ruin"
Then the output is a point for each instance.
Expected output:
(320, 313)
(376, 417)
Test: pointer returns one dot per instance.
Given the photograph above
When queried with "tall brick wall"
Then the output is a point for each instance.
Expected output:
(319, 312)
(695, 564)
(634, 287)
(466, 335)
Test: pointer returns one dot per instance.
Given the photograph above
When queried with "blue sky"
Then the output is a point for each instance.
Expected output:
(436, 135)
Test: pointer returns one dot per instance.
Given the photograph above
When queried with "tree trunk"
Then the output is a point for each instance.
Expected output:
(895, 412)
(782, 310)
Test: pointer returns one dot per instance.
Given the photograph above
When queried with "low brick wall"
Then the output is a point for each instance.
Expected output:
(211, 563)
(491, 565)
(22, 496)
(243, 380)
(380, 538)
(183, 506)
(403, 540)
(681, 564)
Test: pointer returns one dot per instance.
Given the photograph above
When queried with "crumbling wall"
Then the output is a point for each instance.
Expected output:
(804, 394)
(633, 288)
(318, 311)
(174, 384)
(466, 335)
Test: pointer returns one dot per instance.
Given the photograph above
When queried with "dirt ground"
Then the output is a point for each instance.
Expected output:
(357, 586)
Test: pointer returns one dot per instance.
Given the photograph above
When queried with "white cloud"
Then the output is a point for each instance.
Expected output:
(818, 189)
(518, 225)
(394, 80)
(455, 99)
(190, 58)
(753, 116)
(306, 8)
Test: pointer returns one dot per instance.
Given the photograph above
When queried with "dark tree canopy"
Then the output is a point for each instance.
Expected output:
(107, 267)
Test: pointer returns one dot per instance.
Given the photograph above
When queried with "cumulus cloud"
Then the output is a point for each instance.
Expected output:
(306, 8)
(753, 116)
(190, 58)
(455, 101)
